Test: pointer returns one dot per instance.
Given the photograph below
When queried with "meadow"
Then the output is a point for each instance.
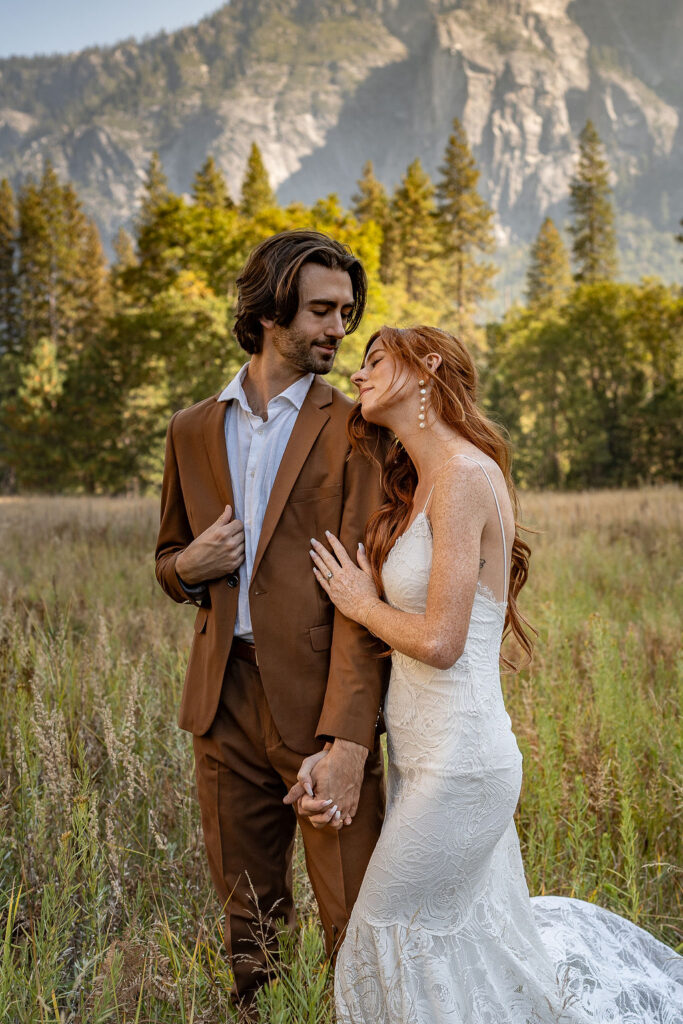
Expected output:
(106, 909)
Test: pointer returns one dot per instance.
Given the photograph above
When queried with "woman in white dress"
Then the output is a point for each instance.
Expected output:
(443, 931)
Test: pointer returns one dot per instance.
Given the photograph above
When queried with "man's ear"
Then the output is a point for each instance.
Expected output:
(268, 324)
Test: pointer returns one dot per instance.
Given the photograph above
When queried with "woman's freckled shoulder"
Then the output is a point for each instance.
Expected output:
(459, 477)
(459, 493)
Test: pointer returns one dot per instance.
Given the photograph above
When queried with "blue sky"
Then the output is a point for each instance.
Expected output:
(28, 27)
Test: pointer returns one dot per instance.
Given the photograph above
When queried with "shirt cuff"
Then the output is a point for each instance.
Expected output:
(196, 591)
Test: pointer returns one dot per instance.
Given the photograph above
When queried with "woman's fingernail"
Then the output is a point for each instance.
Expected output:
(311, 552)
(337, 814)
(361, 545)
(327, 803)
(327, 533)
(313, 540)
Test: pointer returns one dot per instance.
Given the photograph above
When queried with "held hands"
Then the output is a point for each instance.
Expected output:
(351, 589)
(215, 552)
(319, 810)
(329, 784)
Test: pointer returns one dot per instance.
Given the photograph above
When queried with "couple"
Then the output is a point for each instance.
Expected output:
(270, 491)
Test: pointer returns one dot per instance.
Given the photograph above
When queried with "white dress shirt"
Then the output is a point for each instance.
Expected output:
(255, 449)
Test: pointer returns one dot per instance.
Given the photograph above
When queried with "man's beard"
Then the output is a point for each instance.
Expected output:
(305, 354)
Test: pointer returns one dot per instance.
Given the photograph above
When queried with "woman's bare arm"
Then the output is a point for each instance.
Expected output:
(460, 507)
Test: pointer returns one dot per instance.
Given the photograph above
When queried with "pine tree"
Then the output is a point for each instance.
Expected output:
(64, 299)
(93, 379)
(370, 202)
(94, 282)
(256, 195)
(548, 277)
(594, 246)
(61, 272)
(124, 249)
(8, 275)
(46, 255)
(412, 235)
(209, 188)
(84, 278)
(158, 247)
(465, 222)
(156, 189)
(9, 320)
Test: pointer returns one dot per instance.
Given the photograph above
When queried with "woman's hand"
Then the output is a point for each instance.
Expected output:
(304, 779)
(350, 588)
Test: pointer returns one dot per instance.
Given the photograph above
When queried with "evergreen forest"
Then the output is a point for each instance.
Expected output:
(586, 375)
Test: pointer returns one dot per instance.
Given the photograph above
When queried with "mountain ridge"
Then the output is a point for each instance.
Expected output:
(323, 86)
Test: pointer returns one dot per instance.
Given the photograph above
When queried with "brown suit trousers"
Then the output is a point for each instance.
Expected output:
(243, 771)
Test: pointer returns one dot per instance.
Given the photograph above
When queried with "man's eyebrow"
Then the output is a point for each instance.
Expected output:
(332, 303)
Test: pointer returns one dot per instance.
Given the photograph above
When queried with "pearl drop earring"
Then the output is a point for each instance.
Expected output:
(423, 402)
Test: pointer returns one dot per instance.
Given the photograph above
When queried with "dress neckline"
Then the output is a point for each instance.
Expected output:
(420, 515)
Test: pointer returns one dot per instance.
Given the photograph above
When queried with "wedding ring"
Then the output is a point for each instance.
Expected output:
(330, 575)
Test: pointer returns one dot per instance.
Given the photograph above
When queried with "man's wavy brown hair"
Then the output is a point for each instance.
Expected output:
(268, 286)
(454, 399)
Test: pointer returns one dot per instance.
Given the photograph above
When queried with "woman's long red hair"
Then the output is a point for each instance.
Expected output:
(454, 400)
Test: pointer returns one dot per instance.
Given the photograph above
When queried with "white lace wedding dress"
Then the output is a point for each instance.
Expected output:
(443, 931)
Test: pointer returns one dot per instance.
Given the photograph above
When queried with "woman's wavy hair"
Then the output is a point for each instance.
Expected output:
(454, 399)
(268, 285)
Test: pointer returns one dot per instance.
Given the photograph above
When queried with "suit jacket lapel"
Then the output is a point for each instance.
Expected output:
(214, 440)
(310, 421)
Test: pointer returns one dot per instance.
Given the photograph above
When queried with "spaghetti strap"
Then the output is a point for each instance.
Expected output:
(429, 496)
(500, 520)
(460, 455)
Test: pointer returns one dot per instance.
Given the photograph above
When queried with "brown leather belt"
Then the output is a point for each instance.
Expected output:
(244, 650)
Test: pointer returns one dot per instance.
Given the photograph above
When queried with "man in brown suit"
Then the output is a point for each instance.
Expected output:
(274, 672)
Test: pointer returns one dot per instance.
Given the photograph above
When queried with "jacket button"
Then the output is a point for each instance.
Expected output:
(233, 580)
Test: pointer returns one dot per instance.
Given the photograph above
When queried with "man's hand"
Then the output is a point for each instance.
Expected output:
(215, 552)
(335, 776)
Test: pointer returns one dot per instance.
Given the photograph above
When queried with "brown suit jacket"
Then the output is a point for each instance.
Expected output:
(321, 672)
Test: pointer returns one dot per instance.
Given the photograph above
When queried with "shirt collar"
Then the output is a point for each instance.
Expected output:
(295, 393)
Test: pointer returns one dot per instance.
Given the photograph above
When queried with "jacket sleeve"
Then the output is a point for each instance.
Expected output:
(174, 531)
(358, 674)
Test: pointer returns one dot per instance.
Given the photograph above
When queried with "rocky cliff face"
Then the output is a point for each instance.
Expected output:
(323, 85)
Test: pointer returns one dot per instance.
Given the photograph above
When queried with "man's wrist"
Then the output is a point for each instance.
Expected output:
(181, 569)
(187, 571)
(351, 749)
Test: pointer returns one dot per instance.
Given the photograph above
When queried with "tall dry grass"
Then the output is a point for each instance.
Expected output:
(106, 911)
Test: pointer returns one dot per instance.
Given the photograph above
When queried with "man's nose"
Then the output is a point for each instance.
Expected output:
(335, 328)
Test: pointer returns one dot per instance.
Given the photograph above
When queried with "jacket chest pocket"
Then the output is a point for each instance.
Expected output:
(314, 493)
